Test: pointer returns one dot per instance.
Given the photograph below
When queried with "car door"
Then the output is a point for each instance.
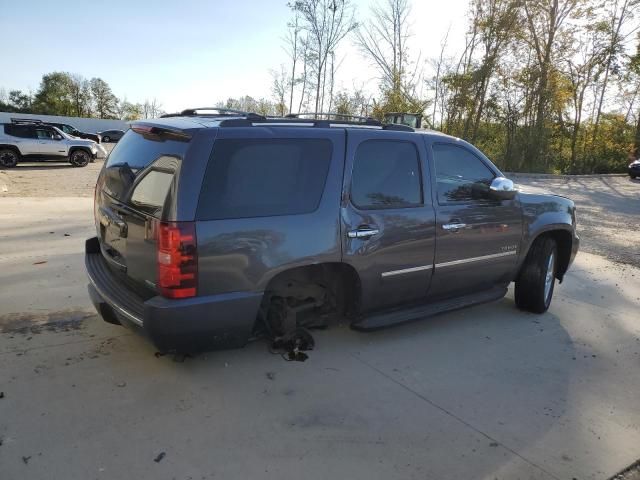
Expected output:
(47, 144)
(388, 220)
(477, 237)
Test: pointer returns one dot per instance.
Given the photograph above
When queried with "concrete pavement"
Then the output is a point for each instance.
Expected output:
(488, 392)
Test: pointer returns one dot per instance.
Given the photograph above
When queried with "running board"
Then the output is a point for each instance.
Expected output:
(397, 317)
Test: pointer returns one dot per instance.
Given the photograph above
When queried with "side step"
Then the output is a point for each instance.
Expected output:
(396, 317)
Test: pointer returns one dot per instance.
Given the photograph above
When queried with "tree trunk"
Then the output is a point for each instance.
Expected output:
(637, 139)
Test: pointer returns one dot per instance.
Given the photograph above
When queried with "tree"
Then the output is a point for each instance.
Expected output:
(152, 109)
(634, 68)
(326, 23)
(279, 89)
(80, 92)
(544, 19)
(105, 101)
(20, 101)
(54, 97)
(384, 41)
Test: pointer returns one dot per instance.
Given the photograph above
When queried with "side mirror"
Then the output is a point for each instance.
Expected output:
(502, 189)
(57, 137)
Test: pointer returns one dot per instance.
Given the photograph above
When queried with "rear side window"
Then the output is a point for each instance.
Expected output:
(264, 177)
(386, 174)
(22, 131)
(151, 191)
(131, 155)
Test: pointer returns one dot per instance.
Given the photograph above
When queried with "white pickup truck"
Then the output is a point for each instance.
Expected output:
(37, 141)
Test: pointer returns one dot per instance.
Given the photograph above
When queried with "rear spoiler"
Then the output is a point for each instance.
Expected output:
(152, 130)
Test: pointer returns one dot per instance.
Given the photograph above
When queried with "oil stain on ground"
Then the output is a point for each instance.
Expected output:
(35, 323)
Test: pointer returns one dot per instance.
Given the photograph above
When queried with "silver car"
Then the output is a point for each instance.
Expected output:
(35, 141)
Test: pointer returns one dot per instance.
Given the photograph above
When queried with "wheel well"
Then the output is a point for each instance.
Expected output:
(335, 285)
(73, 149)
(11, 147)
(564, 242)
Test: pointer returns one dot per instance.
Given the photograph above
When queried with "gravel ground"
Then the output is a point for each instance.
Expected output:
(608, 211)
(51, 179)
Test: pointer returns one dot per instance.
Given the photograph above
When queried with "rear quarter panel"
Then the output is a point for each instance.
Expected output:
(245, 254)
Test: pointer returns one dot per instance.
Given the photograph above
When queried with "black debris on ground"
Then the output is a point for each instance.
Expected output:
(25, 460)
(271, 375)
(160, 456)
(292, 346)
(1, 395)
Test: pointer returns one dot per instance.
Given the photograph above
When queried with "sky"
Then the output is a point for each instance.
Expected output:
(186, 53)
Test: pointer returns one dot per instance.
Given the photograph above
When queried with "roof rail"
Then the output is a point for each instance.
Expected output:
(301, 122)
(26, 120)
(222, 112)
(336, 117)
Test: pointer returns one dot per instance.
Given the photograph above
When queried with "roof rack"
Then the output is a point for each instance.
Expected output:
(291, 121)
(222, 112)
(336, 116)
(26, 120)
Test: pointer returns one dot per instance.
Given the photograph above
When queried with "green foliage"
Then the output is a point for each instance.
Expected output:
(65, 94)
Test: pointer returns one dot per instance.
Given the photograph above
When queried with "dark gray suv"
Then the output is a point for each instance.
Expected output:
(212, 226)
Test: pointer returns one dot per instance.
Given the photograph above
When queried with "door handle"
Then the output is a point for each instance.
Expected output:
(363, 233)
(453, 227)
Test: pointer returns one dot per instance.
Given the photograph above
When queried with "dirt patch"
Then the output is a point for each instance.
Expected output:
(35, 323)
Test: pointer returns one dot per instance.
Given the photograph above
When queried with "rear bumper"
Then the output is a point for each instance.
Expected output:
(187, 325)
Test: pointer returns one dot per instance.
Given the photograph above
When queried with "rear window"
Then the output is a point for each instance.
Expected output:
(131, 155)
(264, 177)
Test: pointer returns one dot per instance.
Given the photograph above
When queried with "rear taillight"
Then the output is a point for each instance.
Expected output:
(177, 259)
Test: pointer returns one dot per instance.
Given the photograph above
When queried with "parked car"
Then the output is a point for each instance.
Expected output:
(38, 141)
(634, 168)
(210, 228)
(111, 135)
(66, 128)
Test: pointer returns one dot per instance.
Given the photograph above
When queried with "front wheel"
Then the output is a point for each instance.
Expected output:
(106, 139)
(8, 158)
(79, 158)
(633, 177)
(535, 284)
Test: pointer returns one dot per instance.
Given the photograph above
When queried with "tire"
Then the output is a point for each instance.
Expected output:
(79, 158)
(8, 158)
(106, 139)
(633, 177)
(536, 281)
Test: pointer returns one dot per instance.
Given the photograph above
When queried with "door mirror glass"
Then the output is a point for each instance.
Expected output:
(57, 137)
(502, 189)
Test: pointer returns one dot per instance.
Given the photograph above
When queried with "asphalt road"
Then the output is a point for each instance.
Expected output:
(488, 392)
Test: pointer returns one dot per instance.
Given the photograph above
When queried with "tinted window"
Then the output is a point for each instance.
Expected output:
(44, 134)
(133, 153)
(386, 174)
(461, 176)
(151, 192)
(22, 131)
(264, 177)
